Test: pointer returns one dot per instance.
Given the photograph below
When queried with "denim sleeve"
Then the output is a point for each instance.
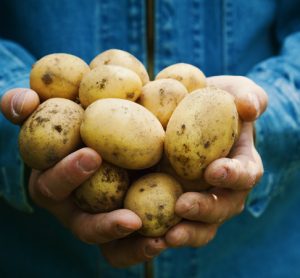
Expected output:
(15, 65)
(278, 130)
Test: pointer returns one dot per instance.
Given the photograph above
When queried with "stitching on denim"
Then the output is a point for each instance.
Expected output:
(136, 27)
(98, 23)
(198, 31)
(165, 35)
(227, 35)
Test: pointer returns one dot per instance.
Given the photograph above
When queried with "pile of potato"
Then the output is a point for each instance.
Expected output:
(155, 137)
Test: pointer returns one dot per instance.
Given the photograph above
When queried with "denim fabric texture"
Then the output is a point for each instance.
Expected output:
(258, 39)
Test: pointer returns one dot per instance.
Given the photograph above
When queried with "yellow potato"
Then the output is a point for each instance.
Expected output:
(104, 191)
(109, 82)
(202, 128)
(190, 76)
(197, 185)
(123, 133)
(121, 58)
(58, 75)
(161, 97)
(50, 133)
(153, 198)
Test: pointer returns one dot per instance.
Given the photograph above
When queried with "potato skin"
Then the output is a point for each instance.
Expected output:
(198, 185)
(58, 75)
(153, 198)
(104, 191)
(123, 132)
(202, 129)
(190, 76)
(161, 97)
(121, 58)
(50, 133)
(109, 82)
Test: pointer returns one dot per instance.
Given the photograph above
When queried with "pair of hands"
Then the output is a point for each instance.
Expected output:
(203, 212)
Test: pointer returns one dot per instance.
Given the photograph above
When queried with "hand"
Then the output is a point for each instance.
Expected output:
(52, 190)
(232, 178)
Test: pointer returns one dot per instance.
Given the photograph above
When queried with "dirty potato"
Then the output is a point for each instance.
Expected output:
(104, 191)
(58, 75)
(50, 133)
(202, 128)
(121, 58)
(109, 82)
(190, 76)
(198, 185)
(161, 97)
(123, 133)
(153, 198)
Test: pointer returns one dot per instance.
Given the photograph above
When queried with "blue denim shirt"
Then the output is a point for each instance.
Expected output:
(259, 39)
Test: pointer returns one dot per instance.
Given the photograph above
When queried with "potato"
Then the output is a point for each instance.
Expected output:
(50, 133)
(109, 82)
(104, 191)
(58, 75)
(153, 198)
(123, 132)
(202, 128)
(121, 58)
(161, 97)
(190, 76)
(197, 185)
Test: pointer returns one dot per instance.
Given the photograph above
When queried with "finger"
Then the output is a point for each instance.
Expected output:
(242, 170)
(90, 228)
(130, 251)
(58, 182)
(214, 206)
(191, 234)
(251, 100)
(104, 227)
(17, 104)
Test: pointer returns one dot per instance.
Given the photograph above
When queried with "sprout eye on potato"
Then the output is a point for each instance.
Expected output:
(121, 58)
(109, 82)
(50, 133)
(58, 75)
(190, 76)
(153, 198)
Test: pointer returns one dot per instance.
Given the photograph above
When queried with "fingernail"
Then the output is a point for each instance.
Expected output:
(17, 103)
(152, 251)
(87, 164)
(124, 230)
(220, 174)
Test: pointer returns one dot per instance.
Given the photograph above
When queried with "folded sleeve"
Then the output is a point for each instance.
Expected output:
(278, 129)
(15, 65)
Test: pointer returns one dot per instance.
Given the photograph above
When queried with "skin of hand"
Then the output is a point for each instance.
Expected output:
(51, 189)
(232, 177)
